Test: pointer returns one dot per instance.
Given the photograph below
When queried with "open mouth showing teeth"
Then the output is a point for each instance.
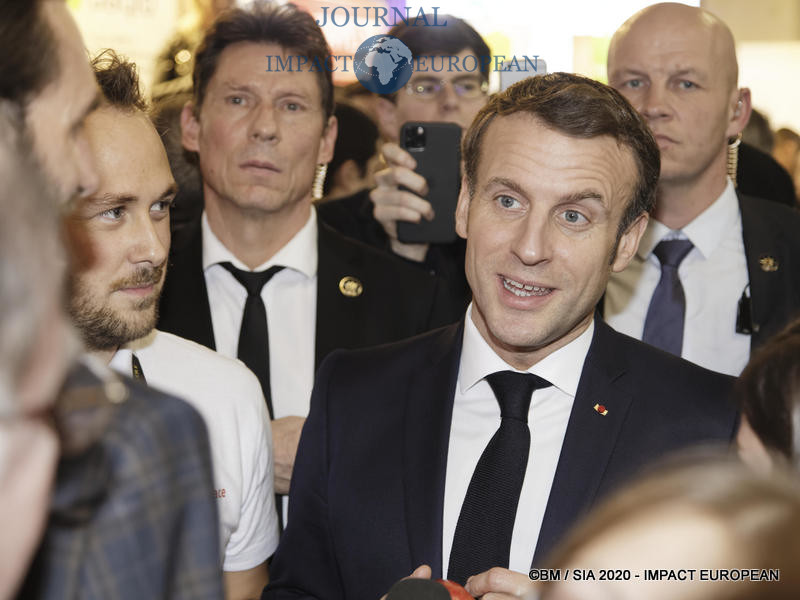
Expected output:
(522, 290)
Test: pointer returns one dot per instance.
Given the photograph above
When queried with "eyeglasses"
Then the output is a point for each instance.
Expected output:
(468, 88)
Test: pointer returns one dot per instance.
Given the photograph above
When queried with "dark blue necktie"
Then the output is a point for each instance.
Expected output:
(663, 326)
(482, 539)
(253, 347)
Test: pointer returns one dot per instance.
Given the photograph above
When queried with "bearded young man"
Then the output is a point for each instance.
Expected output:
(114, 305)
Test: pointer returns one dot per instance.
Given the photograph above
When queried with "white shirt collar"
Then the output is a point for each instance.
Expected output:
(121, 361)
(562, 368)
(299, 253)
(706, 231)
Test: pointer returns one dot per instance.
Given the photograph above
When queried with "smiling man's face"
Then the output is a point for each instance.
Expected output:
(541, 228)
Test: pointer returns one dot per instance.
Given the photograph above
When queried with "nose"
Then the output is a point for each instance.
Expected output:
(531, 239)
(150, 243)
(654, 104)
(448, 99)
(264, 126)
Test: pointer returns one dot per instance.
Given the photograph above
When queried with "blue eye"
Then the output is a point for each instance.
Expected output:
(687, 85)
(574, 217)
(507, 201)
(161, 206)
(115, 213)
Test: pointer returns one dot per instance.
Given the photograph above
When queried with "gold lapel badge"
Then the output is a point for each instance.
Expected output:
(351, 287)
(768, 263)
(601, 409)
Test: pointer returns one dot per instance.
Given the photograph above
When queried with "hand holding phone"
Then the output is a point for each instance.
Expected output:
(436, 149)
(398, 196)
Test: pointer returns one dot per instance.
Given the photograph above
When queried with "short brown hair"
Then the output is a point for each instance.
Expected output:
(768, 393)
(119, 81)
(578, 107)
(450, 39)
(288, 26)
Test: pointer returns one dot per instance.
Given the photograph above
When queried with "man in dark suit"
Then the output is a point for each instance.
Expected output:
(402, 463)
(262, 129)
(738, 281)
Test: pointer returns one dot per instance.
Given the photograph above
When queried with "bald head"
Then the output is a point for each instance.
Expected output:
(677, 65)
(670, 25)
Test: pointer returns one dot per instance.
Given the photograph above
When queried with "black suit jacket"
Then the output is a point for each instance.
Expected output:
(398, 301)
(761, 176)
(771, 234)
(367, 494)
(352, 216)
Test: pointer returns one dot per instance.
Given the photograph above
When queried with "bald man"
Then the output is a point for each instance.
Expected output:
(730, 269)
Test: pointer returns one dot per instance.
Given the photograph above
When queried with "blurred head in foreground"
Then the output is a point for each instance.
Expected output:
(768, 394)
(709, 515)
(36, 348)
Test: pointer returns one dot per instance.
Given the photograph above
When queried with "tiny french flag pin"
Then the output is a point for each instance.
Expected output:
(601, 409)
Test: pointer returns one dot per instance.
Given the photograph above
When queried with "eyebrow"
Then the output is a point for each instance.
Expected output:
(689, 71)
(582, 195)
(505, 182)
(237, 87)
(114, 199)
(639, 73)
(588, 194)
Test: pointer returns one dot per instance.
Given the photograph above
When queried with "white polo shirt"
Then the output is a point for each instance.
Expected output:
(229, 398)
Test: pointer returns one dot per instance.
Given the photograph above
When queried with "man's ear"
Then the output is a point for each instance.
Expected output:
(328, 141)
(629, 243)
(190, 128)
(386, 111)
(462, 209)
(741, 108)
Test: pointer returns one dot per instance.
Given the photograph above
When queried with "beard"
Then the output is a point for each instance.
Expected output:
(104, 327)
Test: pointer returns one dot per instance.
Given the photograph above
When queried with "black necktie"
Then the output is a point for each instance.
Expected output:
(253, 336)
(482, 538)
(663, 326)
(136, 369)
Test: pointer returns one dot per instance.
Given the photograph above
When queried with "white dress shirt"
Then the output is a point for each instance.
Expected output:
(476, 418)
(713, 275)
(290, 298)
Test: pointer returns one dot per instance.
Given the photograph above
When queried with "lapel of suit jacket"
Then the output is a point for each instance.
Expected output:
(184, 308)
(337, 314)
(767, 287)
(426, 441)
(590, 438)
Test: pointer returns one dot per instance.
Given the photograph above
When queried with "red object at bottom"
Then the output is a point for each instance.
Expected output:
(456, 591)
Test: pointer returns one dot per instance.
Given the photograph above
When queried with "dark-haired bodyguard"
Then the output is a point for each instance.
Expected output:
(259, 263)
(419, 453)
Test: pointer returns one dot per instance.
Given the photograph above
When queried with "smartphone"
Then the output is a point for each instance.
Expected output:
(511, 73)
(437, 149)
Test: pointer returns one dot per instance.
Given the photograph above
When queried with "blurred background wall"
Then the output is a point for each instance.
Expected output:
(571, 35)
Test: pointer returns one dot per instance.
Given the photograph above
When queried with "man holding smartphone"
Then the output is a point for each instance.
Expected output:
(445, 96)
